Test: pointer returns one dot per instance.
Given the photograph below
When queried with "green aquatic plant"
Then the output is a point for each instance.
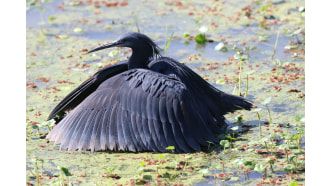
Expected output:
(225, 143)
(257, 110)
(167, 41)
(285, 147)
(247, 81)
(275, 46)
(49, 124)
(266, 102)
(200, 39)
(261, 168)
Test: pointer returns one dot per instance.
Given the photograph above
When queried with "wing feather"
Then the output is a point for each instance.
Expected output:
(137, 110)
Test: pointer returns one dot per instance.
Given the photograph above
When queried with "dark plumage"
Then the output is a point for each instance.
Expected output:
(146, 103)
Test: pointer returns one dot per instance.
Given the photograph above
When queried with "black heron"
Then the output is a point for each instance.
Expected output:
(145, 103)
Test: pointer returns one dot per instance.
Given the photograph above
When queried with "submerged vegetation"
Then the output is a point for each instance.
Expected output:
(254, 49)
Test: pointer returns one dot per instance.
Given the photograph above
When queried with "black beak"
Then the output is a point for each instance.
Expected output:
(109, 45)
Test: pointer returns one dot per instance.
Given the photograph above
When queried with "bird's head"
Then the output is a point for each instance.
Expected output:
(136, 41)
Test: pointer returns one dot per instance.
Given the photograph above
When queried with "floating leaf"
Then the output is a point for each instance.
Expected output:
(216, 166)
(289, 47)
(78, 30)
(200, 39)
(244, 57)
(234, 128)
(220, 82)
(234, 178)
(203, 171)
(294, 184)
(250, 164)
(259, 168)
(63, 36)
(266, 101)
(225, 143)
(49, 123)
(238, 162)
(289, 167)
(249, 72)
(51, 18)
(113, 53)
(203, 29)
(186, 34)
(219, 46)
(256, 110)
(284, 146)
(143, 163)
(263, 8)
(301, 9)
(262, 38)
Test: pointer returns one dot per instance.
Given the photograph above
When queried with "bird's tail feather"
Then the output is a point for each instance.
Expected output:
(231, 103)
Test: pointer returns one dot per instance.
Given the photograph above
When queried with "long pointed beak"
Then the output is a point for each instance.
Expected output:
(109, 45)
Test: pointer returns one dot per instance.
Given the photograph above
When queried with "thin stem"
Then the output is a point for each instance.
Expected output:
(247, 85)
(259, 124)
(239, 79)
(270, 118)
(278, 33)
(266, 146)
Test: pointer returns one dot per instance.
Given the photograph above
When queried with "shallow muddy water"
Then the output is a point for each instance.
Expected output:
(58, 33)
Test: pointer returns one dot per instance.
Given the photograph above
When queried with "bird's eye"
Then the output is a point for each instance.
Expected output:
(123, 40)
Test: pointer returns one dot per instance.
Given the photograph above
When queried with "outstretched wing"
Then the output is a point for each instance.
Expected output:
(87, 87)
(137, 110)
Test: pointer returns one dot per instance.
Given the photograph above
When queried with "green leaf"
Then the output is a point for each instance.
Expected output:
(234, 178)
(256, 110)
(284, 146)
(244, 57)
(234, 128)
(203, 29)
(229, 137)
(289, 167)
(289, 47)
(168, 42)
(220, 82)
(78, 30)
(225, 143)
(237, 56)
(170, 148)
(219, 46)
(249, 164)
(259, 168)
(65, 171)
(186, 34)
(161, 156)
(266, 101)
(263, 8)
(200, 39)
(203, 171)
(294, 184)
(248, 72)
(49, 123)
(216, 166)
(51, 18)
(301, 9)
(238, 162)
(143, 163)
(239, 118)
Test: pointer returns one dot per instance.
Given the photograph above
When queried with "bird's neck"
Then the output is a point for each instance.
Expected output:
(139, 59)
